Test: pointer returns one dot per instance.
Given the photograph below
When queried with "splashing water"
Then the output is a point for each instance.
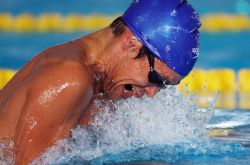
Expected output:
(6, 152)
(168, 128)
(167, 119)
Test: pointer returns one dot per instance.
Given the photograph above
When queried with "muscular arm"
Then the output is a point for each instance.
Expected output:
(56, 97)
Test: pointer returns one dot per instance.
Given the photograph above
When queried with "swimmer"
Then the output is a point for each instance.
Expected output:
(153, 44)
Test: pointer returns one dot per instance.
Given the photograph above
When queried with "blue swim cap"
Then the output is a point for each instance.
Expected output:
(169, 29)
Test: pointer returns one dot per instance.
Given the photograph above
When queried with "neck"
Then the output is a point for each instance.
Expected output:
(99, 51)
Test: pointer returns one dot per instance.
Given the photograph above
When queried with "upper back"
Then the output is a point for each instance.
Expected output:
(58, 64)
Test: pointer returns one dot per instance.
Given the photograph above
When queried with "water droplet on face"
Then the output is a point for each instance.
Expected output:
(97, 77)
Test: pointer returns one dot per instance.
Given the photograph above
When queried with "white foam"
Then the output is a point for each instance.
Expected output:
(166, 119)
(6, 153)
(234, 119)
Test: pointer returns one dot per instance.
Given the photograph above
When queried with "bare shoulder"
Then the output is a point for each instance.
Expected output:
(61, 76)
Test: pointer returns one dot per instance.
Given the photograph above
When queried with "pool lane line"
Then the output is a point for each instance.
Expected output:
(74, 22)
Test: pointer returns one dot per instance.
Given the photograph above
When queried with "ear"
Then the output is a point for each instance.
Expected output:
(134, 45)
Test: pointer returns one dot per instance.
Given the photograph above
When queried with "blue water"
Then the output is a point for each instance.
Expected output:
(18, 49)
(230, 150)
(174, 155)
(168, 128)
(103, 6)
(228, 153)
(219, 50)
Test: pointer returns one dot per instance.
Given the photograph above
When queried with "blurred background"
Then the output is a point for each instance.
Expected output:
(29, 26)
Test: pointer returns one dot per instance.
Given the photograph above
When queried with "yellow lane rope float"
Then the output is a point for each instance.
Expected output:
(55, 22)
(244, 88)
(220, 132)
(5, 76)
(225, 22)
(204, 84)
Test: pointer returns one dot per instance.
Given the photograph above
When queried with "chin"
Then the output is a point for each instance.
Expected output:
(124, 92)
(116, 93)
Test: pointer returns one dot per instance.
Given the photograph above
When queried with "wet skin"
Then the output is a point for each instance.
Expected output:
(55, 91)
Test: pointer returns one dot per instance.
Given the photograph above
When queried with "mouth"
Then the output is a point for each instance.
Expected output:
(129, 90)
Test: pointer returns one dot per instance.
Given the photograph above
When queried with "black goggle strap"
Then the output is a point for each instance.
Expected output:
(151, 62)
(153, 76)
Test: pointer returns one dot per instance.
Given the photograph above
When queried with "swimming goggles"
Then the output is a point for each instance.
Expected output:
(153, 76)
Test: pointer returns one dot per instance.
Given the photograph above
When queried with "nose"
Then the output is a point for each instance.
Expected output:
(150, 91)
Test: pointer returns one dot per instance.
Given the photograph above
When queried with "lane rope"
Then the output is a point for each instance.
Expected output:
(233, 87)
(56, 22)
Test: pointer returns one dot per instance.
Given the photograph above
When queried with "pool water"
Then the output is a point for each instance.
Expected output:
(232, 52)
(169, 129)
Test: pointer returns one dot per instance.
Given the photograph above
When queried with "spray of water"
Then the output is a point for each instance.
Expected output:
(6, 152)
(167, 119)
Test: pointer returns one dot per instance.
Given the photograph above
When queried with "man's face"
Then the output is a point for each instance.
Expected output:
(131, 77)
